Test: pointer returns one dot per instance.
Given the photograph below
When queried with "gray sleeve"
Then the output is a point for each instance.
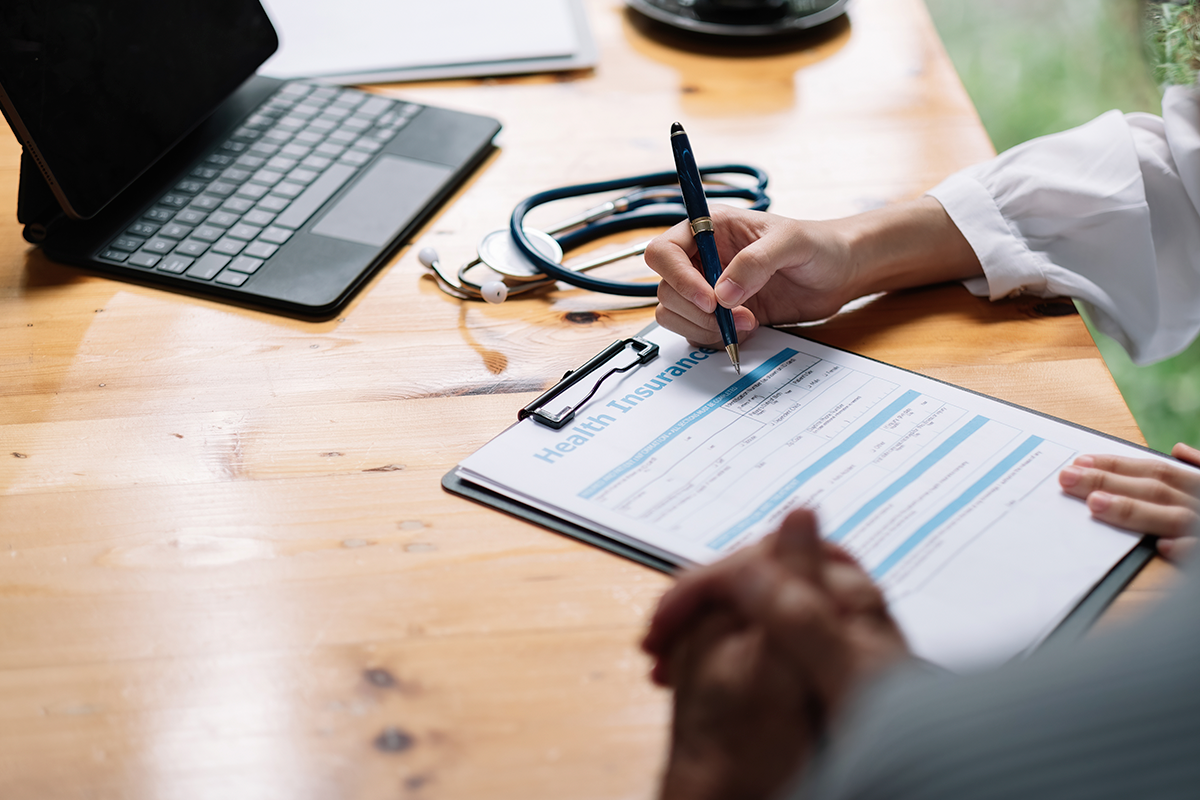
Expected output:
(1114, 716)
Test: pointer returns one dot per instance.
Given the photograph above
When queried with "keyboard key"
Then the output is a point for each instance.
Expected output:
(222, 188)
(295, 150)
(294, 90)
(247, 134)
(143, 229)
(223, 219)
(244, 231)
(356, 124)
(314, 196)
(220, 159)
(175, 263)
(208, 233)
(260, 249)
(275, 235)
(281, 164)
(267, 177)
(158, 245)
(191, 248)
(374, 106)
(176, 231)
(231, 278)
(259, 217)
(366, 145)
(206, 202)
(264, 149)
(235, 174)
(191, 216)
(323, 93)
(159, 214)
(144, 259)
(237, 205)
(205, 173)
(127, 243)
(114, 255)
(248, 161)
(322, 124)
(329, 149)
(276, 136)
(246, 264)
(228, 246)
(316, 162)
(207, 266)
(302, 175)
(308, 137)
(288, 189)
(273, 203)
(343, 136)
(189, 187)
(252, 191)
(231, 146)
(356, 158)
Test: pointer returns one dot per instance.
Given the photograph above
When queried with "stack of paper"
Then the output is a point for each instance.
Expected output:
(376, 41)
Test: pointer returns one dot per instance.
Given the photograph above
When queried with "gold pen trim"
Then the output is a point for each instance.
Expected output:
(702, 224)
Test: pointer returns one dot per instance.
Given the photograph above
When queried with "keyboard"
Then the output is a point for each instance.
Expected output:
(247, 196)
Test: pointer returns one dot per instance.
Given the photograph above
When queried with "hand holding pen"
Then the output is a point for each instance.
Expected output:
(779, 270)
(692, 188)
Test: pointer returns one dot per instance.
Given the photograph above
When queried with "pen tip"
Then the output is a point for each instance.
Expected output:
(732, 349)
(676, 128)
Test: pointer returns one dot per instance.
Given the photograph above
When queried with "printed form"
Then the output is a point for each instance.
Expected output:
(950, 500)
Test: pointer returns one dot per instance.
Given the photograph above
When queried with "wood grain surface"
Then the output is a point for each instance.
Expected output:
(227, 568)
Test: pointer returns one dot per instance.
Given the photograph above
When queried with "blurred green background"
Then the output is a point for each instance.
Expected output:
(1038, 66)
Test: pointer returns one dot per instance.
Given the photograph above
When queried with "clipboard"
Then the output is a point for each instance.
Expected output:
(549, 410)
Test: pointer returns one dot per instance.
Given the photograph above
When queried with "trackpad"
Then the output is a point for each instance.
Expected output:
(384, 201)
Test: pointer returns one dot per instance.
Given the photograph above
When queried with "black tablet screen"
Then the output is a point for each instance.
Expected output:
(101, 89)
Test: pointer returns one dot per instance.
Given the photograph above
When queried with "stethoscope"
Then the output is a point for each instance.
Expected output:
(527, 259)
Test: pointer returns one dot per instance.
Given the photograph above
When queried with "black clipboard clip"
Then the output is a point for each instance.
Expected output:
(642, 350)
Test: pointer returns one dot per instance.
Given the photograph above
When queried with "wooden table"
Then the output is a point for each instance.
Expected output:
(227, 568)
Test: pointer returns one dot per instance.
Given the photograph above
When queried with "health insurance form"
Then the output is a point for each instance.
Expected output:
(949, 499)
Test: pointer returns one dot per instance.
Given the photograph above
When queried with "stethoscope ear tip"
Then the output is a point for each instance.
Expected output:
(495, 292)
(428, 257)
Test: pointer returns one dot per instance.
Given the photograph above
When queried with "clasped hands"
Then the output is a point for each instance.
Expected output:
(762, 649)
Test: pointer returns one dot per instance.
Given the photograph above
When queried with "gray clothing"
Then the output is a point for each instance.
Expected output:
(1116, 715)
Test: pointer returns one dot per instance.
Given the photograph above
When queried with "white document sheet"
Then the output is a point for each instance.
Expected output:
(949, 499)
(430, 39)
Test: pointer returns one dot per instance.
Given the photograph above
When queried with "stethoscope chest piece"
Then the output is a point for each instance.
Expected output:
(499, 252)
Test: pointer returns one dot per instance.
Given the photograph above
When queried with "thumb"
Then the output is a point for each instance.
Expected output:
(797, 547)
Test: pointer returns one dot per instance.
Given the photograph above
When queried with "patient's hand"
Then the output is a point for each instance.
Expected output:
(1142, 495)
(762, 649)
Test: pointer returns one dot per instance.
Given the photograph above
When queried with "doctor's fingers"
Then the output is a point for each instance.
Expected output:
(1176, 476)
(699, 328)
(1177, 549)
(1141, 516)
(670, 255)
(1186, 453)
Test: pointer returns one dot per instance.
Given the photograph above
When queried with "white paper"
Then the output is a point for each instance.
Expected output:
(949, 499)
(321, 38)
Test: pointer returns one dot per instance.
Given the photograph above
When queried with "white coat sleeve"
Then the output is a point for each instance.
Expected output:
(1106, 213)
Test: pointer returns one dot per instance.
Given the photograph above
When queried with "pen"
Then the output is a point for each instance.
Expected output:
(692, 189)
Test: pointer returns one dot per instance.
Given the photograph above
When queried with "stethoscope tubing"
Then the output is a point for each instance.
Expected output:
(653, 213)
